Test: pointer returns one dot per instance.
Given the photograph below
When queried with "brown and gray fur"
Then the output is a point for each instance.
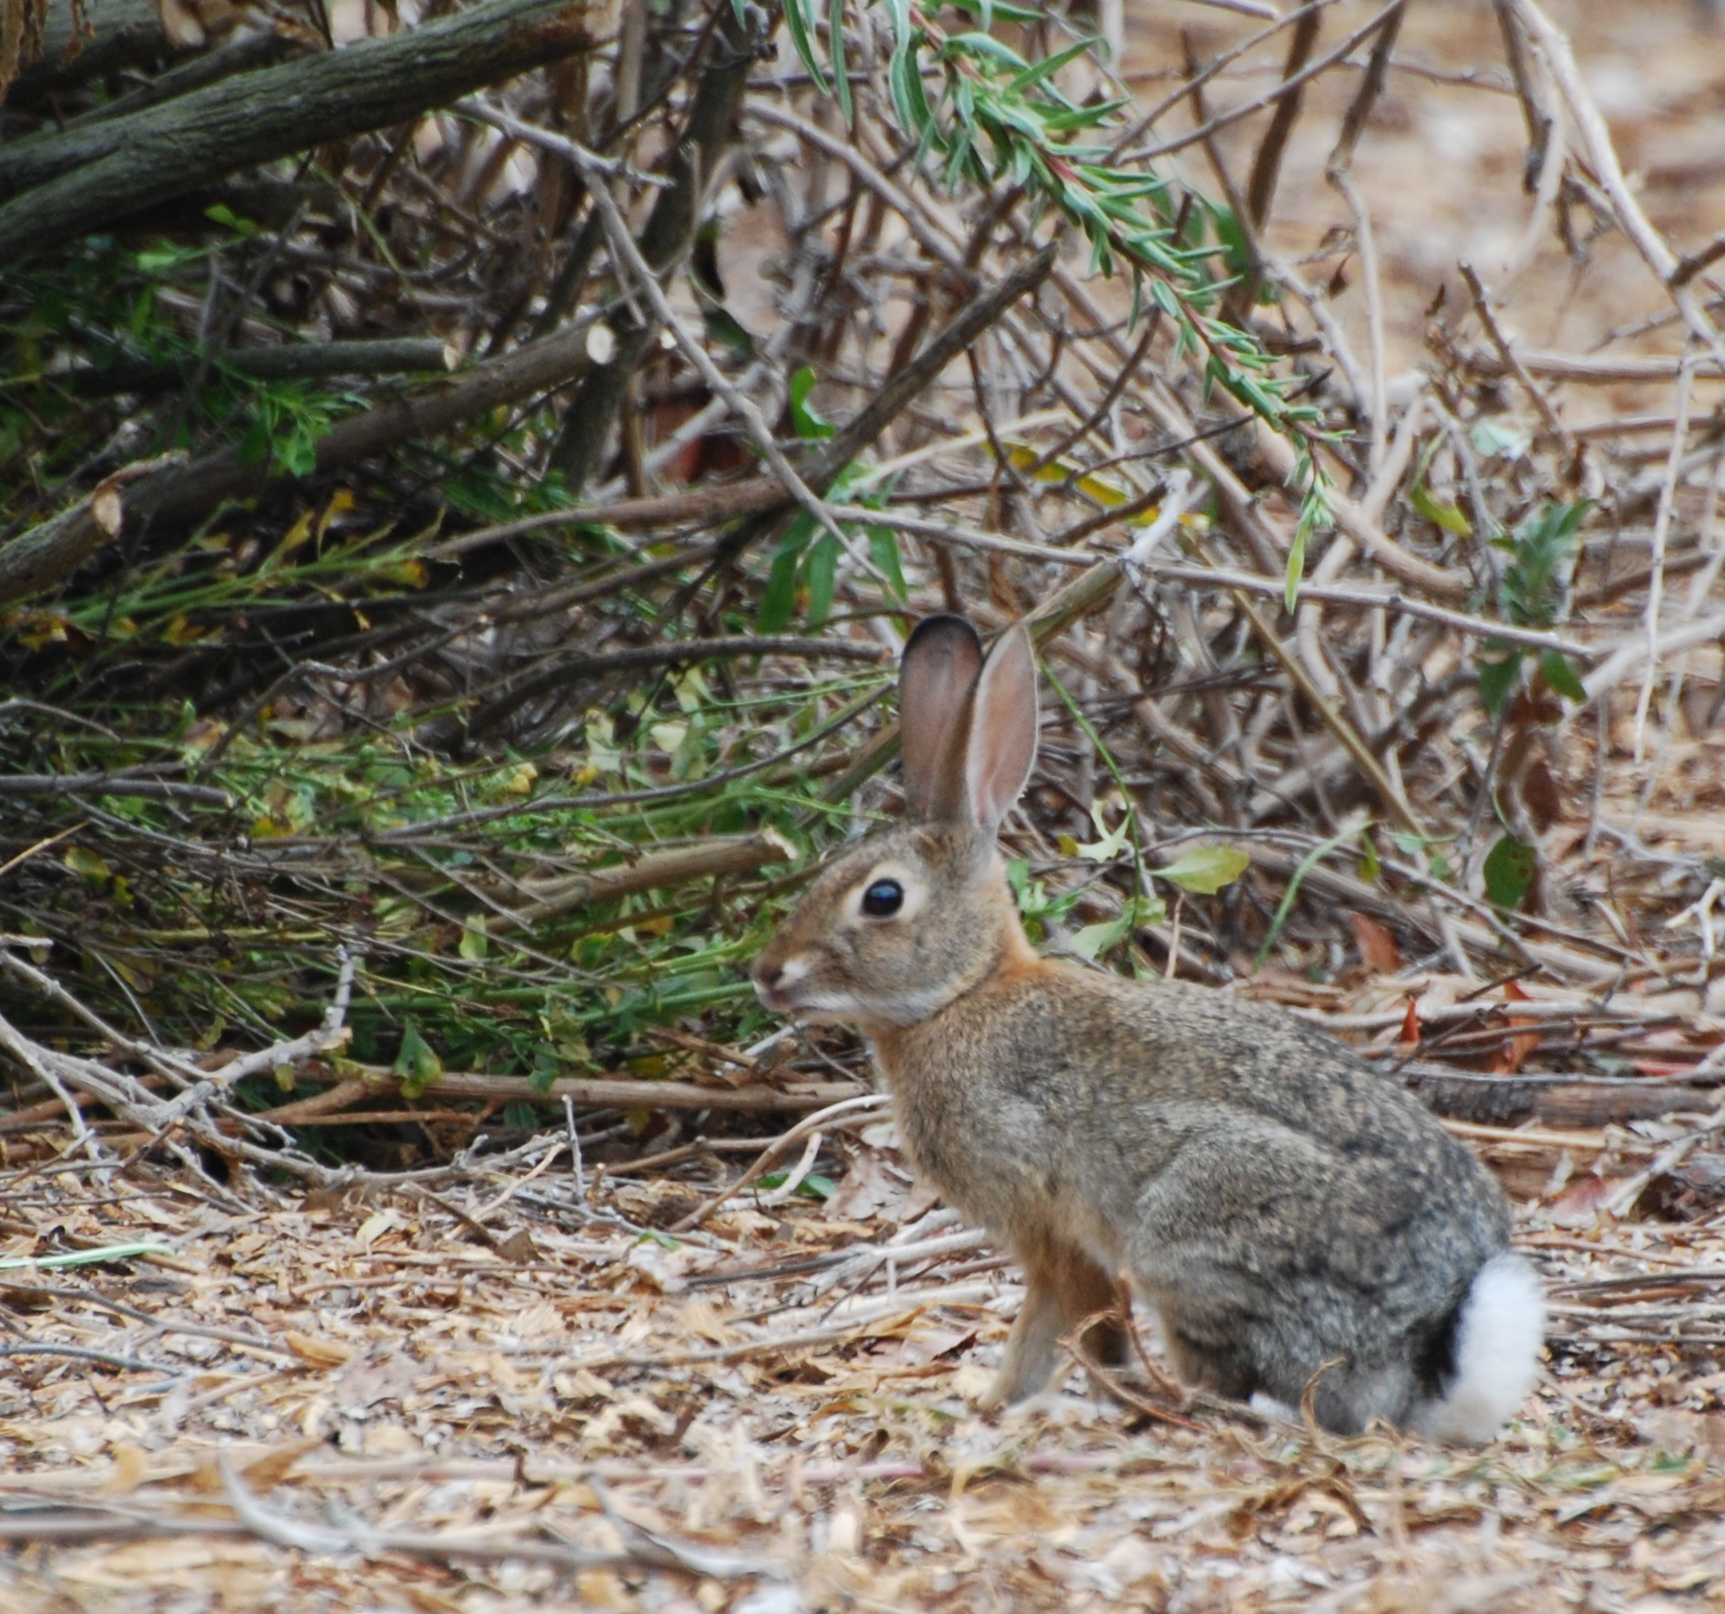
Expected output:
(1278, 1203)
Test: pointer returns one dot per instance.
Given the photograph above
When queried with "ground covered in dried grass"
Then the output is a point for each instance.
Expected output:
(776, 1413)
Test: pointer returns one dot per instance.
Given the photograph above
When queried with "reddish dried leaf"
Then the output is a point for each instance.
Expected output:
(1377, 945)
(1540, 792)
(1410, 1032)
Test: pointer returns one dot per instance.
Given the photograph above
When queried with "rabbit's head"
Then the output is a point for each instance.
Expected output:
(899, 926)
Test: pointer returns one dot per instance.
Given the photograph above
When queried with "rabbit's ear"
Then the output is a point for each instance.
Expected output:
(936, 675)
(1001, 745)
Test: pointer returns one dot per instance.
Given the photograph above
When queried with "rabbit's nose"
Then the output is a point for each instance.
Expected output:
(772, 976)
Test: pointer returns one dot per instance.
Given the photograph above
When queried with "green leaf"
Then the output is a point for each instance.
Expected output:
(1038, 71)
(1509, 869)
(1205, 869)
(417, 1064)
(221, 213)
(1370, 865)
(1447, 516)
(1497, 681)
(1560, 676)
(883, 551)
(814, 1186)
(802, 36)
(807, 422)
(823, 566)
(723, 328)
(841, 77)
(1296, 569)
(984, 46)
(474, 943)
(987, 9)
(779, 598)
(83, 1258)
(1094, 940)
(1534, 583)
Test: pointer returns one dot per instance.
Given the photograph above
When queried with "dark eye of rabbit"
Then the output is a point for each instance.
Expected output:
(883, 899)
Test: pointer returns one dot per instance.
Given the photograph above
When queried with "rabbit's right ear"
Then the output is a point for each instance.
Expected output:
(1000, 733)
(936, 675)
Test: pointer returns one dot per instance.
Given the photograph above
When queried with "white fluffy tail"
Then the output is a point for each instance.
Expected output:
(1497, 1343)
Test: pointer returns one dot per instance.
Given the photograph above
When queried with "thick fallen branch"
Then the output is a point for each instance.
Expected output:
(64, 184)
(47, 553)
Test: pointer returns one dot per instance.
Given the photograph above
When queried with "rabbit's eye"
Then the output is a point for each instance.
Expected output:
(883, 899)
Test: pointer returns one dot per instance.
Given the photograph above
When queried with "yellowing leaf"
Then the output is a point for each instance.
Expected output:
(38, 628)
(1447, 516)
(1104, 491)
(669, 736)
(294, 538)
(91, 865)
(408, 573)
(1205, 869)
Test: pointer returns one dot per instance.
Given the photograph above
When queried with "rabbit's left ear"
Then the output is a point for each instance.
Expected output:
(1001, 746)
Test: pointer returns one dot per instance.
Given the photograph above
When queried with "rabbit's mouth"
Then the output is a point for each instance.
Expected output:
(776, 984)
(787, 989)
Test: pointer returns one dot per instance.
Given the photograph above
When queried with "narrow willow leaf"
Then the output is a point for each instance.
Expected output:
(1296, 569)
(802, 36)
(823, 577)
(836, 45)
(1038, 71)
(985, 45)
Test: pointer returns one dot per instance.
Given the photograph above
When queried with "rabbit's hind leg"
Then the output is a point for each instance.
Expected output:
(1198, 1357)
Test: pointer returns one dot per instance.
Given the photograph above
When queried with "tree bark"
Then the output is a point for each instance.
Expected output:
(56, 548)
(66, 184)
(114, 34)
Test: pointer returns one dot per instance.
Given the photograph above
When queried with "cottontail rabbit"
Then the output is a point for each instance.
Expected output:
(1281, 1205)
